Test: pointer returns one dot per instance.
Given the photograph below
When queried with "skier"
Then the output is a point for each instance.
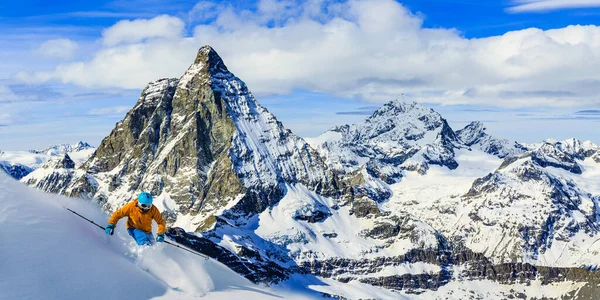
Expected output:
(140, 214)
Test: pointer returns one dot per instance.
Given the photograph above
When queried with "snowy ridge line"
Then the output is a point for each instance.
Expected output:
(63, 148)
(19, 164)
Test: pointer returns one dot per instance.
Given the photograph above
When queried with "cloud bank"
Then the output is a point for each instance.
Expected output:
(113, 110)
(524, 6)
(58, 48)
(372, 50)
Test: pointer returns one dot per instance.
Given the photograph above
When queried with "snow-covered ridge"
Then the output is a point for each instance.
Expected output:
(398, 136)
(19, 164)
(475, 135)
(63, 148)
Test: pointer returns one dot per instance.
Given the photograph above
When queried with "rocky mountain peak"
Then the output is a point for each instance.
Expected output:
(208, 69)
(399, 137)
(82, 146)
(552, 155)
(475, 135)
(409, 121)
(204, 145)
(207, 56)
(401, 107)
(54, 176)
(207, 65)
(472, 133)
(575, 147)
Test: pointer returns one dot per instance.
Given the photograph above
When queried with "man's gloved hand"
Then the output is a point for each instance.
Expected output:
(160, 237)
(110, 229)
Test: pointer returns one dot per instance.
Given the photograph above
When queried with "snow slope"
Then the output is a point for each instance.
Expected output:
(49, 253)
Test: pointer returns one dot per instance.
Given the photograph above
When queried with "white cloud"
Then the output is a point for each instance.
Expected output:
(204, 10)
(138, 30)
(7, 95)
(58, 48)
(374, 50)
(5, 119)
(114, 110)
(522, 6)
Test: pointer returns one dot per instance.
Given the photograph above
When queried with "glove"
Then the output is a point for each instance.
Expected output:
(110, 229)
(160, 237)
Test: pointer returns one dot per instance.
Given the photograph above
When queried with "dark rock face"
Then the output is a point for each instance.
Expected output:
(476, 267)
(550, 156)
(384, 230)
(66, 162)
(150, 112)
(16, 171)
(55, 175)
(318, 216)
(363, 207)
(247, 263)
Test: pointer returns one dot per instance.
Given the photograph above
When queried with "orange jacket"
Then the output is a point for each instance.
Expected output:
(139, 219)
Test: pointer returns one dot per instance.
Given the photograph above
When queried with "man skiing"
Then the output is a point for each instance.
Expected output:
(140, 214)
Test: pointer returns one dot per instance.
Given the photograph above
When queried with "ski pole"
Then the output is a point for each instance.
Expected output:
(84, 218)
(188, 250)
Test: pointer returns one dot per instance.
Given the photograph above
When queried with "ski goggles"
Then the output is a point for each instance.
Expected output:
(145, 207)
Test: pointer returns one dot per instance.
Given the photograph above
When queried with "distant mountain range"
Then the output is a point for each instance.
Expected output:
(19, 164)
(63, 148)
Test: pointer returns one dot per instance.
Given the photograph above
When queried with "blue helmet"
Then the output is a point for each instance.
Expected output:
(145, 198)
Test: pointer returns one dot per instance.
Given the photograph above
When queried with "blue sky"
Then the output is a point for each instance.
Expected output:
(69, 71)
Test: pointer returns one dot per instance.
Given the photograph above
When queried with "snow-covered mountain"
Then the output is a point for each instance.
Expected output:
(203, 145)
(19, 164)
(399, 136)
(54, 176)
(393, 207)
(538, 207)
(528, 208)
(63, 148)
(397, 139)
(475, 135)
